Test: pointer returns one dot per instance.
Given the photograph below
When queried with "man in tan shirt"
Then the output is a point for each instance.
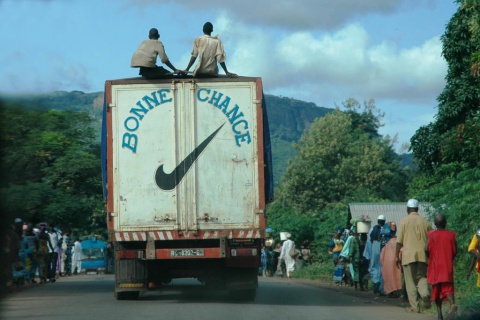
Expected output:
(210, 51)
(145, 57)
(412, 240)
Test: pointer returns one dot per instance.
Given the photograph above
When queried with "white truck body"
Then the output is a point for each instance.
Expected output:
(184, 161)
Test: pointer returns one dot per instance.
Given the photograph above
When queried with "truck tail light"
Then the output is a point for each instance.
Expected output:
(243, 252)
(130, 254)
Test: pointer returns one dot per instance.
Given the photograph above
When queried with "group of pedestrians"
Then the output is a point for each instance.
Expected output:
(40, 252)
(424, 256)
(350, 267)
(207, 48)
(283, 258)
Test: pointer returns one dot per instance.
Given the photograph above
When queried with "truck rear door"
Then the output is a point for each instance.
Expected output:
(186, 155)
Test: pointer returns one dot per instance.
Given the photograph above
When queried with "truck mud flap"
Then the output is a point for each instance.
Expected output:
(242, 284)
(242, 278)
(130, 275)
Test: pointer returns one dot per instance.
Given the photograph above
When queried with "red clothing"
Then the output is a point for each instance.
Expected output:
(442, 249)
(441, 290)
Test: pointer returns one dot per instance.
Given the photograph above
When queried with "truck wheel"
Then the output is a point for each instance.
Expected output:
(127, 295)
(243, 295)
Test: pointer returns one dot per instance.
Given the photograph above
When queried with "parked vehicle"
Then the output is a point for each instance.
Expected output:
(95, 258)
(187, 175)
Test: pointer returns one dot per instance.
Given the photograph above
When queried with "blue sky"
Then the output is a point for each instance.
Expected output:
(313, 50)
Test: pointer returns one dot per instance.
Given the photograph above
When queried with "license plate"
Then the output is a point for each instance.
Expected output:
(187, 253)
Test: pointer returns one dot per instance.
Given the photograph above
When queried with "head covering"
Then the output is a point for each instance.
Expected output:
(381, 217)
(412, 203)
(18, 220)
(478, 233)
(36, 230)
(289, 235)
(153, 33)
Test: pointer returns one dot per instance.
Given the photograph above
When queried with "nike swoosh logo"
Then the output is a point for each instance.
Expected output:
(169, 181)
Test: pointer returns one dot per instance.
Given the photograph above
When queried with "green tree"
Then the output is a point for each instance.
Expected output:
(50, 166)
(342, 157)
(454, 136)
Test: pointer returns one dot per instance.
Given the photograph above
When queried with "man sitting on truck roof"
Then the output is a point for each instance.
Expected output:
(210, 49)
(145, 57)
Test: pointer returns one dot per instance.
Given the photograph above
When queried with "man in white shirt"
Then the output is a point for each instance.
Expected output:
(287, 247)
(77, 257)
(145, 57)
(52, 253)
(210, 51)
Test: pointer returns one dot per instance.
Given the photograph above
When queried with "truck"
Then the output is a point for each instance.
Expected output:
(187, 174)
(95, 257)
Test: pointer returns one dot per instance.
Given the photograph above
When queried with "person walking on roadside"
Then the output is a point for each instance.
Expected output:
(391, 275)
(77, 257)
(53, 253)
(11, 243)
(441, 250)
(372, 253)
(335, 248)
(209, 51)
(28, 247)
(287, 247)
(412, 240)
(42, 253)
(354, 259)
(474, 250)
(67, 253)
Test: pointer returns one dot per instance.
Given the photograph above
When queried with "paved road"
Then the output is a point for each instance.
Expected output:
(91, 297)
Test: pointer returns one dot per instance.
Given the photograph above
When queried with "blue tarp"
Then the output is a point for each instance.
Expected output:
(104, 145)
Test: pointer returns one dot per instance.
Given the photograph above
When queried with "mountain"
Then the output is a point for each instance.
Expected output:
(288, 118)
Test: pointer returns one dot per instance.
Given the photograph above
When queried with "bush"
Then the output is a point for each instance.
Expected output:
(316, 270)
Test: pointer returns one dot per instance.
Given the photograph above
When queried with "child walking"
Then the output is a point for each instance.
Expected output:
(442, 249)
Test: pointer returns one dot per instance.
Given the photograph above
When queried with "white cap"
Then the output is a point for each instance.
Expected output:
(381, 217)
(412, 203)
(289, 235)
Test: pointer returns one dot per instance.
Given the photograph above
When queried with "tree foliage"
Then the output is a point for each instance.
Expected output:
(50, 166)
(342, 157)
(454, 136)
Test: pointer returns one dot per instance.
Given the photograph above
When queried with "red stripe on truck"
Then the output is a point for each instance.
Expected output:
(179, 235)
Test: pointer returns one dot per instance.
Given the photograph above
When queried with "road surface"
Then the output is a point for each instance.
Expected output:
(85, 297)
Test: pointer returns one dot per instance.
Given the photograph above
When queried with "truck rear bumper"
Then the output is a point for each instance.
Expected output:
(228, 249)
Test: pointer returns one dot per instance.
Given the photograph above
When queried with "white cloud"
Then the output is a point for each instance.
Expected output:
(411, 74)
(327, 67)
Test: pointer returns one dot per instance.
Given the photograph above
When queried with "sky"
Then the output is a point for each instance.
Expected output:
(317, 51)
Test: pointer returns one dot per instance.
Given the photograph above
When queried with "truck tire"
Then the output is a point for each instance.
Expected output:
(127, 295)
(243, 294)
